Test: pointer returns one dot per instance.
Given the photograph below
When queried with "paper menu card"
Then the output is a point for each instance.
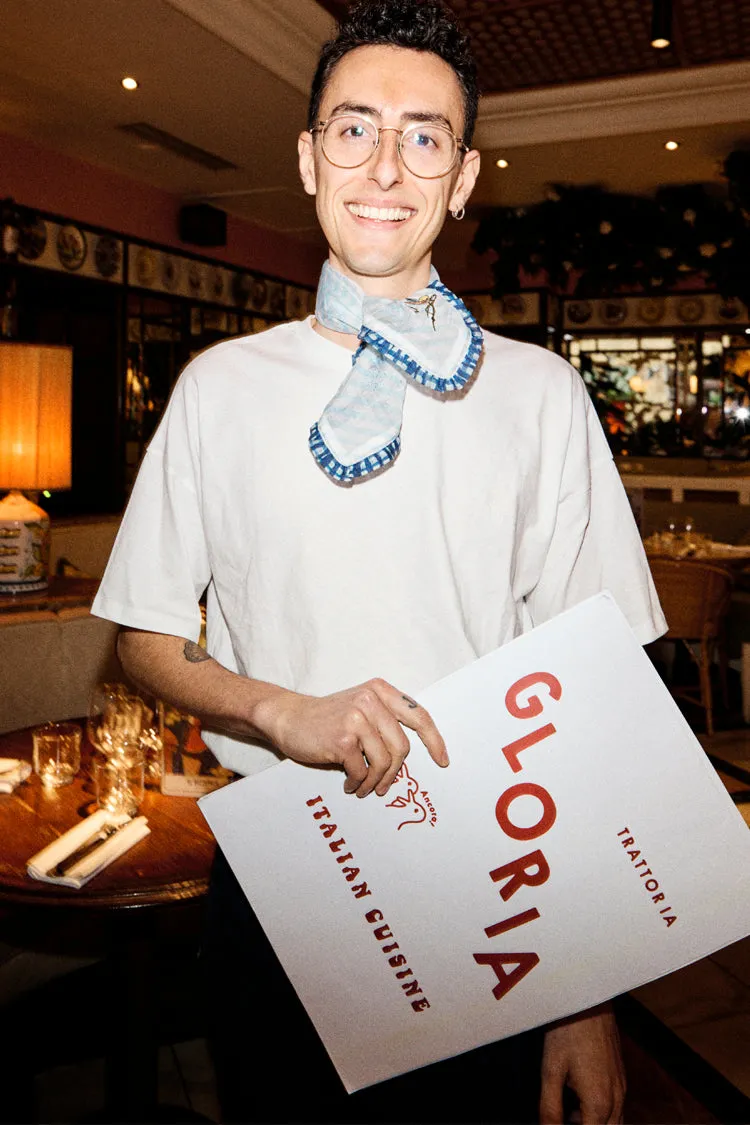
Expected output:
(579, 845)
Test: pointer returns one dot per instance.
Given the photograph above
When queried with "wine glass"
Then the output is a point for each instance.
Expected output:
(114, 718)
(151, 739)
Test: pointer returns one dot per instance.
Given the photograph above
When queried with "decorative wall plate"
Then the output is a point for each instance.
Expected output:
(259, 293)
(171, 272)
(145, 266)
(296, 303)
(107, 255)
(277, 300)
(195, 279)
(651, 309)
(613, 311)
(579, 312)
(729, 308)
(690, 309)
(513, 306)
(32, 239)
(71, 247)
(217, 283)
(241, 288)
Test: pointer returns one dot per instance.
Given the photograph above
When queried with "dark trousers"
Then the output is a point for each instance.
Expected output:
(272, 1067)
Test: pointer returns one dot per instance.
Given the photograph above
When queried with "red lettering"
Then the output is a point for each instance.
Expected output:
(669, 920)
(373, 915)
(421, 1004)
(511, 923)
(529, 871)
(628, 842)
(350, 873)
(513, 749)
(525, 789)
(314, 800)
(397, 960)
(524, 963)
(411, 988)
(389, 948)
(321, 813)
(328, 830)
(382, 933)
(360, 891)
(534, 705)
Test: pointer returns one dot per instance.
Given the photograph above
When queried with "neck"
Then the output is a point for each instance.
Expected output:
(343, 339)
(395, 286)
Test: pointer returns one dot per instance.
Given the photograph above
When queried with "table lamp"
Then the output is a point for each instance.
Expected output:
(35, 453)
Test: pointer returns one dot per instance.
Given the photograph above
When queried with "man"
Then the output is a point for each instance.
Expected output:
(333, 556)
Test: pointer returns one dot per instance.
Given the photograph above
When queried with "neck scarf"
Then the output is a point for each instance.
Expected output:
(430, 339)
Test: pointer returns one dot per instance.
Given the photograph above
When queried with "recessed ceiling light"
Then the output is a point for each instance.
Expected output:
(502, 162)
(129, 83)
(671, 145)
(660, 44)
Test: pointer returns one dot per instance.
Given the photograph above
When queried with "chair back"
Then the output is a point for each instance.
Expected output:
(694, 596)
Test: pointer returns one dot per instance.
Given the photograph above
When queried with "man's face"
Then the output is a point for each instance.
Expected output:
(394, 87)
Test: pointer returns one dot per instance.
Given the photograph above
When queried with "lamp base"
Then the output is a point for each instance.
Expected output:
(24, 545)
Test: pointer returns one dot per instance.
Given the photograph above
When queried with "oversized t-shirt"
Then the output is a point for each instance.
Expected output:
(503, 508)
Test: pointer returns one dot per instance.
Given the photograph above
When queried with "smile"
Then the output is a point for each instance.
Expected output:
(380, 214)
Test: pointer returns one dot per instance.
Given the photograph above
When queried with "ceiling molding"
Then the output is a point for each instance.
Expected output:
(283, 36)
(710, 95)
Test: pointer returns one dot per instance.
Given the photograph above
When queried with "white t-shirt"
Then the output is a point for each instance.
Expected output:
(503, 509)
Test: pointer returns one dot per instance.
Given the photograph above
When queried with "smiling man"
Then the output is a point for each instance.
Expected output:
(375, 496)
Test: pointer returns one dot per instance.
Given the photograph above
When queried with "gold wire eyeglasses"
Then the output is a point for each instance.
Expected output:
(427, 149)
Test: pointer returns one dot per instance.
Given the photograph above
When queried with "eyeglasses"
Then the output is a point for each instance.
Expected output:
(427, 150)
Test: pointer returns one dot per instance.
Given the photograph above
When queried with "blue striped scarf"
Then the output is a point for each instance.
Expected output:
(430, 339)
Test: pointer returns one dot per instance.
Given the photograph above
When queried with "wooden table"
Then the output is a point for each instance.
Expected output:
(141, 898)
(171, 864)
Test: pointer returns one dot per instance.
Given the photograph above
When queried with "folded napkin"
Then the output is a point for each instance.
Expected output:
(12, 772)
(131, 830)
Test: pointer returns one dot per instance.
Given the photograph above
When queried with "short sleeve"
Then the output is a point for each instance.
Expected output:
(595, 544)
(159, 564)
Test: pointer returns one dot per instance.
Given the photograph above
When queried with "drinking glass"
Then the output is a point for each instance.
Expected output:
(119, 781)
(151, 739)
(57, 753)
(114, 719)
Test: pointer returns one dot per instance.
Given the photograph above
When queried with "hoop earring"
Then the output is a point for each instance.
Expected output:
(458, 214)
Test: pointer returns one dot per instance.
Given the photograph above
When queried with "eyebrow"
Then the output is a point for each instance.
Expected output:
(420, 116)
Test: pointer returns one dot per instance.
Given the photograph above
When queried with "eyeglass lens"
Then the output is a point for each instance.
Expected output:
(427, 150)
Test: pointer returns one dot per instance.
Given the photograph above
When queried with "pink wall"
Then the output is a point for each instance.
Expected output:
(51, 181)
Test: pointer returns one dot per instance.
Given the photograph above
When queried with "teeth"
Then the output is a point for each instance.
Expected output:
(381, 214)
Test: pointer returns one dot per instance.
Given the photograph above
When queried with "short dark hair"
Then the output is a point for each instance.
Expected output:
(419, 25)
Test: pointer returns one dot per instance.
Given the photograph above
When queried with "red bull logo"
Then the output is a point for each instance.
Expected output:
(415, 806)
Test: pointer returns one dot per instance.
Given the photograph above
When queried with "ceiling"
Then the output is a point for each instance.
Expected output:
(521, 44)
(574, 93)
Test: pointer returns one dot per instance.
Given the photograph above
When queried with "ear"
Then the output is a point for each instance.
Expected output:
(307, 162)
(467, 177)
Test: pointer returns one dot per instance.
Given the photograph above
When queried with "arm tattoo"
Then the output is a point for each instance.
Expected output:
(412, 704)
(193, 653)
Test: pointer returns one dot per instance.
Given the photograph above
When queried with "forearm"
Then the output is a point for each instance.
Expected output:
(359, 729)
(182, 673)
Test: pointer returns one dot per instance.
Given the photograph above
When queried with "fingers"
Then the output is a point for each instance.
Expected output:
(415, 717)
(374, 746)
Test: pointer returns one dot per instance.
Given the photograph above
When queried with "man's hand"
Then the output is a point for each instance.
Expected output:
(359, 729)
(584, 1054)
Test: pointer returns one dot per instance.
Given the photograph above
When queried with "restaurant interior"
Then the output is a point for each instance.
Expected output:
(150, 206)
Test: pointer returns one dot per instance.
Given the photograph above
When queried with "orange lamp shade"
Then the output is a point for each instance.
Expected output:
(36, 382)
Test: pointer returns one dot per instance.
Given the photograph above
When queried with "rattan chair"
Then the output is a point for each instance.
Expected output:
(695, 598)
